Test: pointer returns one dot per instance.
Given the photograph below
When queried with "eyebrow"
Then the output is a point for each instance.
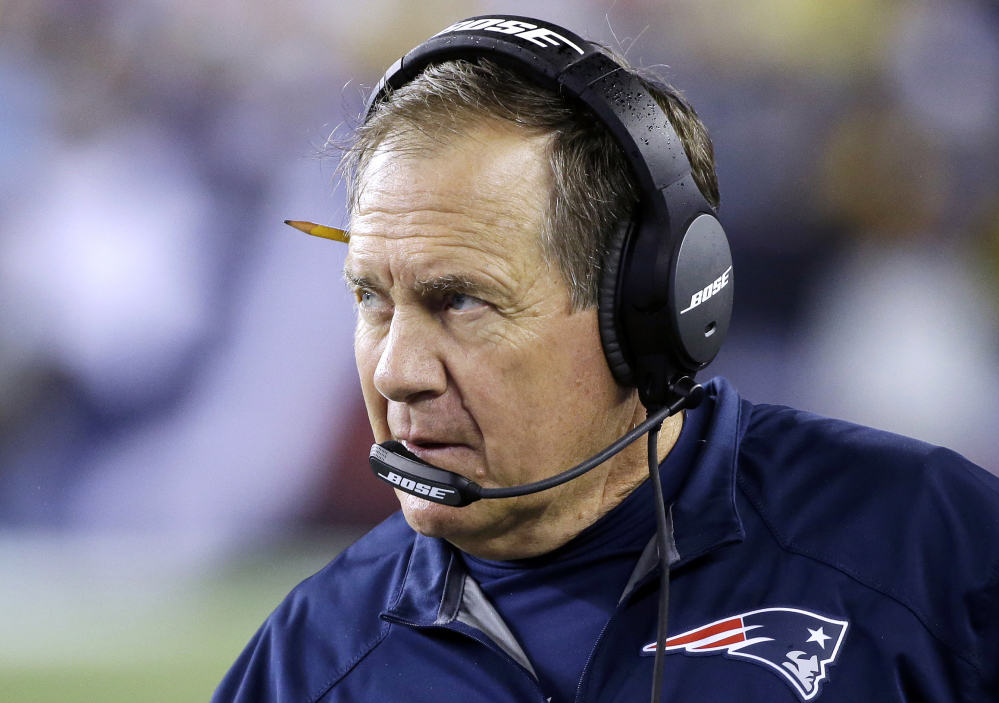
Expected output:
(354, 282)
(447, 283)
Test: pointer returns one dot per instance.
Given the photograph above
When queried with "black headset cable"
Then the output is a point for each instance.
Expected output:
(654, 420)
(662, 543)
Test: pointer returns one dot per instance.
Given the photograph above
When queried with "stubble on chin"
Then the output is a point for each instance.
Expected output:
(473, 524)
(435, 520)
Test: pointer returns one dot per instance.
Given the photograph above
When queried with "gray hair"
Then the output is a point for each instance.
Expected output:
(592, 188)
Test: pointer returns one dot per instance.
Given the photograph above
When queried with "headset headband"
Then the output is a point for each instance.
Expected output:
(559, 60)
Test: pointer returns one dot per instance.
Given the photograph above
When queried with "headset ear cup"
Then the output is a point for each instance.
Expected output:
(702, 293)
(607, 311)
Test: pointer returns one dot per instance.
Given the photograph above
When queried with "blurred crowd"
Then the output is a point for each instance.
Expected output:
(176, 364)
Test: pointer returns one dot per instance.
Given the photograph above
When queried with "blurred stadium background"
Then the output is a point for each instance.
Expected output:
(181, 431)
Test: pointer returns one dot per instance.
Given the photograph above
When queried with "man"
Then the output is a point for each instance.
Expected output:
(811, 557)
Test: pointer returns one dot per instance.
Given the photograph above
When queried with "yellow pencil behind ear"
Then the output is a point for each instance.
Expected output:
(337, 235)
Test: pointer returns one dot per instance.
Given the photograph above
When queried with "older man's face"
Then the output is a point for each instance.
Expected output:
(467, 348)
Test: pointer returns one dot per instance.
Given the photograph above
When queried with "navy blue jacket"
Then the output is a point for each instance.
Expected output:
(813, 559)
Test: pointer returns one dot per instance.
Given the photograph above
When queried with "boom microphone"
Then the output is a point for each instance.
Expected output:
(400, 468)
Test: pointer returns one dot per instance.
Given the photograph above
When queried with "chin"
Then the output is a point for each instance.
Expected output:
(444, 521)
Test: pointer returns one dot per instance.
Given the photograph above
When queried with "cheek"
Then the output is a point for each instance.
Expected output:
(490, 380)
(367, 351)
(517, 385)
(369, 342)
(561, 361)
(556, 391)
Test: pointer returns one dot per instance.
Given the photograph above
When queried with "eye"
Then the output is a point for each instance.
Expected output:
(369, 300)
(462, 302)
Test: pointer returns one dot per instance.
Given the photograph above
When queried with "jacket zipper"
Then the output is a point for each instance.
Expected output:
(487, 642)
(652, 575)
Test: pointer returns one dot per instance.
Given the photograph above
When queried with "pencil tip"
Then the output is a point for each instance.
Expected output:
(337, 235)
(301, 226)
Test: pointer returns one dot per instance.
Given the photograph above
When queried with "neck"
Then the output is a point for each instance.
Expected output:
(576, 505)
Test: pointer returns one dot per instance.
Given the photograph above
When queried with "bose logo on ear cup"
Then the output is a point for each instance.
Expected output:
(522, 30)
(708, 291)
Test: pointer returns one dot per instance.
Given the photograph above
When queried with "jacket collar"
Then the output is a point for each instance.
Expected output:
(431, 589)
(704, 517)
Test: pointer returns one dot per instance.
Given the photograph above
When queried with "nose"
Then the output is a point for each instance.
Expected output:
(410, 365)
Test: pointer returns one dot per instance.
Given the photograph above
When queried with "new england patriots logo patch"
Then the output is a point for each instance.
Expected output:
(796, 644)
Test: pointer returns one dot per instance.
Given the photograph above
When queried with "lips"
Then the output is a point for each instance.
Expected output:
(448, 455)
(427, 447)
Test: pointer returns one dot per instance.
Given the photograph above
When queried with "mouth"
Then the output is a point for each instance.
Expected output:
(438, 453)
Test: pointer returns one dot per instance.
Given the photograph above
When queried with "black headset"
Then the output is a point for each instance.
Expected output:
(666, 289)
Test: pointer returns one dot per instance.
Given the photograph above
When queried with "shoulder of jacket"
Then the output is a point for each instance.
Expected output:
(792, 455)
(915, 522)
(326, 625)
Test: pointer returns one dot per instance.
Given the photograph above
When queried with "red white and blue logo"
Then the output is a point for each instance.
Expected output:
(794, 643)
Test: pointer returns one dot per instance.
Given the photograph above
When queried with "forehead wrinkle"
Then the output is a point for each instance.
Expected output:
(485, 221)
(459, 243)
(423, 270)
(463, 198)
(416, 236)
(454, 187)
